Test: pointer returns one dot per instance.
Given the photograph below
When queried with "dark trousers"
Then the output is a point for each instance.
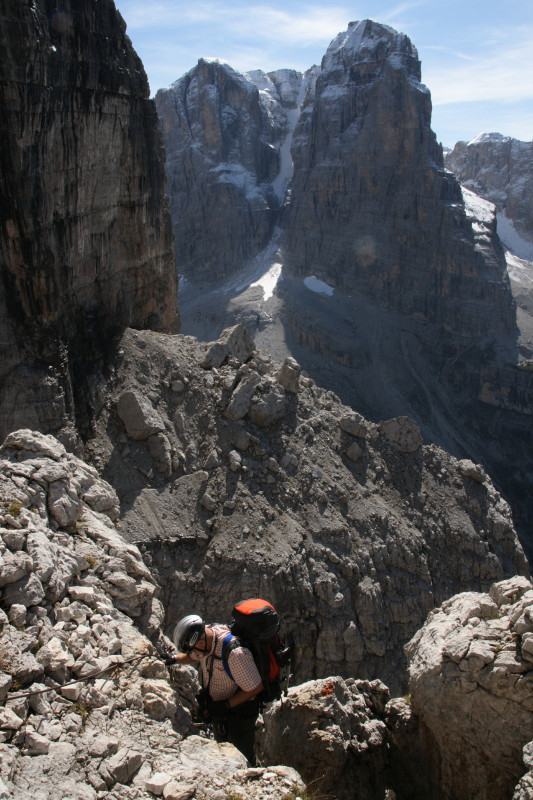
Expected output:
(238, 728)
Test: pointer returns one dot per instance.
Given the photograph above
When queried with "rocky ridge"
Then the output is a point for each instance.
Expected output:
(87, 707)
(240, 476)
(86, 240)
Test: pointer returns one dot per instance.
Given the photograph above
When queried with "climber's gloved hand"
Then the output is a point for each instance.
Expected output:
(169, 659)
(217, 709)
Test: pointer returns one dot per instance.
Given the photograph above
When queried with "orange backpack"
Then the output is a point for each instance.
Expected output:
(255, 625)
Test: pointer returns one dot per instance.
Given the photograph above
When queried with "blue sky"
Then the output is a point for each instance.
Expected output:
(477, 55)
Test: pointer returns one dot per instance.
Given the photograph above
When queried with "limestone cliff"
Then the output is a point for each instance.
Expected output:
(227, 161)
(85, 235)
(471, 674)
(219, 163)
(373, 209)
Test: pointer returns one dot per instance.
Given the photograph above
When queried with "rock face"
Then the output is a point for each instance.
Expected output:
(418, 319)
(471, 672)
(221, 161)
(86, 240)
(500, 169)
(345, 743)
(358, 743)
(87, 707)
(355, 531)
(373, 210)
(227, 138)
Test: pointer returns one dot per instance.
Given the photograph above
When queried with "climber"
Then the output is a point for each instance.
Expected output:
(231, 704)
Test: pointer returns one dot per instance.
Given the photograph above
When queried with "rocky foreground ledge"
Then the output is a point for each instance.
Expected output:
(88, 709)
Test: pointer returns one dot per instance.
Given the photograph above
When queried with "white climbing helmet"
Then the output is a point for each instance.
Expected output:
(187, 632)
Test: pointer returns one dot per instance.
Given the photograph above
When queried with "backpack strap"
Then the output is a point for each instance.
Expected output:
(229, 643)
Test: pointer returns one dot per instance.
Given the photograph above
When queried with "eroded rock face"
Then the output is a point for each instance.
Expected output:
(221, 161)
(83, 618)
(330, 732)
(86, 239)
(471, 672)
(500, 169)
(373, 210)
(355, 531)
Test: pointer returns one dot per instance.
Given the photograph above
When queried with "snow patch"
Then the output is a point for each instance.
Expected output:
(240, 177)
(477, 208)
(269, 281)
(314, 284)
(488, 137)
(512, 239)
(520, 270)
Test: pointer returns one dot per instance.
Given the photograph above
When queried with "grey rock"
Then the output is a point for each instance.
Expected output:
(403, 433)
(17, 615)
(35, 442)
(140, 418)
(208, 502)
(63, 503)
(16, 661)
(456, 699)
(233, 342)
(27, 591)
(100, 496)
(354, 452)
(289, 375)
(343, 757)
(468, 469)
(234, 460)
(161, 452)
(270, 407)
(241, 398)
(14, 566)
(355, 425)
(54, 566)
(5, 685)
(123, 765)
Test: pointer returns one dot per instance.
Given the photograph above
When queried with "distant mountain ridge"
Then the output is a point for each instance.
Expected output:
(500, 169)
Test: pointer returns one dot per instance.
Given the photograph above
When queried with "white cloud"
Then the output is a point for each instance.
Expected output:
(505, 74)
(314, 23)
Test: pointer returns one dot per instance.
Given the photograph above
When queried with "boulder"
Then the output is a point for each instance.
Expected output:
(289, 375)
(241, 399)
(270, 407)
(64, 504)
(345, 743)
(235, 342)
(470, 685)
(140, 418)
(355, 425)
(27, 591)
(403, 433)
(35, 442)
